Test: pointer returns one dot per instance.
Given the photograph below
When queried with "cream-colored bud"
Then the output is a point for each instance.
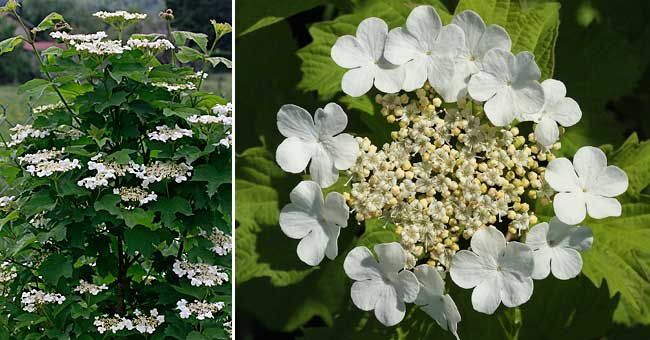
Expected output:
(437, 102)
(390, 119)
(512, 214)
(378, 99)
(525, 207)
(409, 175)
(406, 165)
(532, 194)
(482, 167)
(532, 220)
(399, 173)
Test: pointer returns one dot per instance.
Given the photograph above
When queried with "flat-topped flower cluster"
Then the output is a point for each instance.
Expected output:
(458, 182)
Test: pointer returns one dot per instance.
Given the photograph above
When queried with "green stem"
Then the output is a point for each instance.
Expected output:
(169, 37)
(214, 44)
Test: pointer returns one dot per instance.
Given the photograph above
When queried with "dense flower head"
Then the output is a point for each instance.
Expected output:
(174, 87)
(200, 274)
(119, 16)
(34, 299)
(73, 39)
(7, 272)
(165, 133)
(45, 163)
(200, 309)
(154, 46)
(89, 288)
(160, 171)
(48, 107)
(20, 133)
(221, 242)
(135, 195)
(144, 324)
(102, 48)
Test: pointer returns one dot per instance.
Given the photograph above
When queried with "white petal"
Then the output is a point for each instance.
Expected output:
(294, 121)
(332, 249)
(566, 112)
(322, 168)
(431, 281)
(483, 86)
(525, 70)
(501, 109)
(360, 264)
(517, 259)
(295, 222)
(358, 81)
(601, 207)
(440, 72)
(348, 52)
(311, 249)
(335, 210)
(401, 46)
(388, 77)
(589, 162)
(415, 73)
(499, 63)
(536, 237)
(343, 149)
(554, 90)
(425, 24)
(450, 41)
(330, 120)
(372, 33)
(547, 132)
(561, 176)
(389, 310)
(495, 36)
(293, 154)
(566, 263)
(468, 269)
(568, 236)
(366, 293)
(488, 242)
(611, 182)
(473, 27)
(542, 258)
(486, 297)
(452, 315)
(527, 97)
(308, 197)
(407, 286)
(516, 289)
(570, 208)
(391, 257)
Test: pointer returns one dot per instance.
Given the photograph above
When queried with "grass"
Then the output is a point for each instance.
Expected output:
(219, 84)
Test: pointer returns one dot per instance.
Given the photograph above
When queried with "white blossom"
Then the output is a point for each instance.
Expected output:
(164, 133)
(135, 195)
(5, 201)
(434, 301)
(90, 288)
(155, 46)
(200, 309)
(101, 48)
(35, 298)
(118, 16)
(75, 38)
(221, 242)
(200, 274)
(22, 132)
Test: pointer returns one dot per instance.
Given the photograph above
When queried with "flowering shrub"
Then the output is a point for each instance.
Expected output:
(116, 220)
(458, 195)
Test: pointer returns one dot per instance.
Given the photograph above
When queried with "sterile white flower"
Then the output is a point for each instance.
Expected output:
(318, 139)
(586, 186)
(557, 109)
(508, 84)
(426, 50)
(499, 271)
(434, 301)
(479, 39)
(381, 285)
(315, 222)
(555, 248)
(364, 56)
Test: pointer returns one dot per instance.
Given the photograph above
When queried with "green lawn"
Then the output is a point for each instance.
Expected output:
(220, 84)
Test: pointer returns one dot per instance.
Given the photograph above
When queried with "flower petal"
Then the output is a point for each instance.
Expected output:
(293, 154)
(518, 259)
(495, 36)
(589, 162)
(360, 264)
(356, 82)
(561, 176)
(366, 293)
(311, 249)
(348, 52)
(516, 288)
(525, 70)
(567, 236)
(601, 207)
(527, 97)
(308, 197)
(343, 149)
(570, 208)
(407, 286)
(330, 120)
(554, 90)
(431, 281)
(483, 86)
(468, 269)
(566, 263)
(566, 112)
(389, 309)
(440, 71)
(391, 257)
(372, 33)
(388, 77)
(294, 121)
(401, 46)
(335, 210)
(424, 23)
(415, 73)
(322, 168)
(536, 237)
(611, 182)
(499, 63)
(501, 109)
(486, 297)
(332, 249)
(473, 27)
(295, 222)
(542, 259)
(547, 132)
(488, 242)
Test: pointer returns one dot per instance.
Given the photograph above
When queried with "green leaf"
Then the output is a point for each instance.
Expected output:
(138, 216)
(215, 61)
(49, 22)
(120, 156)
(195, 336)
(187, 55)
(142, 240)
(180, 37)
(108, 203)
(213, 175)
(34, 88)
(55, 267)
(259, 14)
(8, 45)
(532, 26)
(169, 207)
(39, 201)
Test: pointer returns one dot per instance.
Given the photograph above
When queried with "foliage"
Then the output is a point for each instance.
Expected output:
(55, 230)
(607, 301)
(20, 69)
(189, 16)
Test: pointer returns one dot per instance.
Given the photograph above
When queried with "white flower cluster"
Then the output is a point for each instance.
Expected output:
(227, 326)
(160, 171)
(49, 107)
(73, 39)
(102, 48)
(105, 171)
(222, 110)
(135, 195)
(119, 16)
(5, 201)
(164, 133)
(39, 220)
(67, 131)
(201, 309)
(89, 288)
(174, 87)
(45, 163)
(226, 141)
(204, 119)
(200, 274)
(145, 324)
(222, 243)
(197, 76)
(22, 132)
(155, 46)
(35, 298)
(7, 272)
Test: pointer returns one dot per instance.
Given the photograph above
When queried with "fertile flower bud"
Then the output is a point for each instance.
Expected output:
(167, 15)
(221, 28)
